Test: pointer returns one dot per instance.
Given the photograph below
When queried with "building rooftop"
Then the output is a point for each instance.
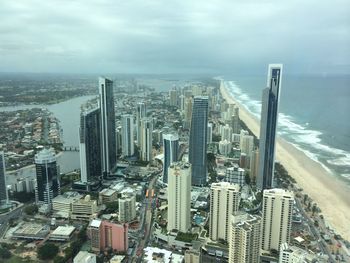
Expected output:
(95, 223)
(63, 231)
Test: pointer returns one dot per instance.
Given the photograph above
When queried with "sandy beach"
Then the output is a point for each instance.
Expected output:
(329, 192)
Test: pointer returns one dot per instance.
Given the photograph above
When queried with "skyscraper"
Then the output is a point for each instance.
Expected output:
(90, 145)
(210, 133)
(224, 201)
(244, 244)
(268, 127)
(276, 223)
(235, 120)
(179, 197)
(47, 176)
(128, 135)
(141, 113)
(171, 152)
(3, 188)
(146, 139)
(109, 143)
(198, 140)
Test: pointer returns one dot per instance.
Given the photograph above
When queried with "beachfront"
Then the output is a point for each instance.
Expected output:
(330, 194)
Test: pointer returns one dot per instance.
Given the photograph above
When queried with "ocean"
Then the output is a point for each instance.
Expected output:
(314, 115)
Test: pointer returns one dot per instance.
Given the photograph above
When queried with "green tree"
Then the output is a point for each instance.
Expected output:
(247, 179)
(31, 209)
(59, 259)
(47, 251)
(4, 253)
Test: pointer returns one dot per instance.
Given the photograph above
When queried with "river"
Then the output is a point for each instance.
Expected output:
(68, 113)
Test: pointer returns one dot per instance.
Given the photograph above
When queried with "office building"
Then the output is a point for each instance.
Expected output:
(4, 198)
(235, 175)
(277, 209)
(198, 140)
(127, 208)
(224, 201)
(179, 197)
(90, 146)
(127, 135)
(47, 177)
(146, 139)
(244, 243)
(108, 129)
(171, 152)
(268, 127)
(140, 114)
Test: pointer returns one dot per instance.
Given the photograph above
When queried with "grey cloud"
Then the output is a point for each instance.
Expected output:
(174, 36)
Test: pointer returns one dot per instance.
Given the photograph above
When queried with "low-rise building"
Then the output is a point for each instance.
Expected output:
(84, 257)
(235, 175)
(62, 233)
(84, 208)
(108, 195)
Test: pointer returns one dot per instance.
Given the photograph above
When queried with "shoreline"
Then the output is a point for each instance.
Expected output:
(324, 188)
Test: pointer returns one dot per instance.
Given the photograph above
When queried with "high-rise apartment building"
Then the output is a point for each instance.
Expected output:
(47, 177)
(247, 144)
(171, 152)
(108, 131)
(224, 201)
(188, 111)
(140, 114)
(277, 209)
(179, 197)
(244, 243)
(90, 146)
(210, 133)
(268, 127)
(235, 121)
(254, 164)
(128, 135)
(173, 97)
(198, 140)
(105, 234)
(3, 187)
(146, 139)
(127, 208)
(235, 175)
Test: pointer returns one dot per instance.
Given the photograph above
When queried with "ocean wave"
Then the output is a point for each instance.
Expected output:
(300, 135)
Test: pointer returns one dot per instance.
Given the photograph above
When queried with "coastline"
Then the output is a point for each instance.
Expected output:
(324, 188)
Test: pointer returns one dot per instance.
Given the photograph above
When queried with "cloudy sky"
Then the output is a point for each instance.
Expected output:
(141, 36)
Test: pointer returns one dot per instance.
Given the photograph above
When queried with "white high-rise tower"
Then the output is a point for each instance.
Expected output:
(128, 135)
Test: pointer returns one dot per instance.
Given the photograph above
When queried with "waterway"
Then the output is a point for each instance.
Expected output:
(68, 114)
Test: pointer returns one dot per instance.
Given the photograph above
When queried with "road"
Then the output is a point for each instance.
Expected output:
(147, 222)
(322, 244)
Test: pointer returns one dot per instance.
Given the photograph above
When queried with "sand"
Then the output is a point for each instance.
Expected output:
(330, 193)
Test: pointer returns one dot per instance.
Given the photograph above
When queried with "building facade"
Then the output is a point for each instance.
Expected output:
(235, 175)
(140, 114)
(127, 208)
(4, 198)
(244, 243)
(47, 177)
(268, 127)
(90, 146)
(146, 139)
(224, 201)
(108, 131)
(198, 140)
(128, 135)
(171, 152)
(179, 197)
(277, 209)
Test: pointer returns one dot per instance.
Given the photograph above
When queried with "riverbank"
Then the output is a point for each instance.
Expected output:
(328, 191)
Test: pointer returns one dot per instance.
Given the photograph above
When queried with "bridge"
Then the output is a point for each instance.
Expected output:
(71, 148)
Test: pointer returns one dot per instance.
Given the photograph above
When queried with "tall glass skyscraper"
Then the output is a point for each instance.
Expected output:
(171, 152)
(3, 188)
(109, 140)
(47, 176)
(128, 135)
(268, 127)
(90, 146)
(198, 140)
